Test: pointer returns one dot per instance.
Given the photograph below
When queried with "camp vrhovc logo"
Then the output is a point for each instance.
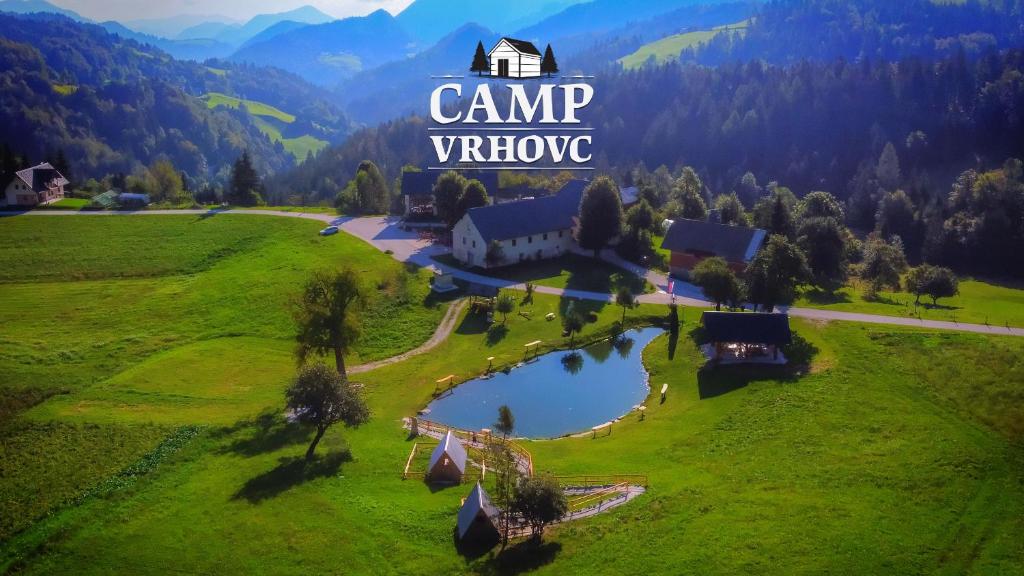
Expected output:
(498, 122)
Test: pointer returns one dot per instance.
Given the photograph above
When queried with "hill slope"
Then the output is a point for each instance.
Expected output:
(430, 20)
(325, 54)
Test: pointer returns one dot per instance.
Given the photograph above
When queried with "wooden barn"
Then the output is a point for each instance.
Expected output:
(691, 241)
(511, 58)
(478, 518)
(448, 461)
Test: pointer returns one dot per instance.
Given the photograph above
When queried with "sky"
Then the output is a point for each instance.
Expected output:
(124, 10)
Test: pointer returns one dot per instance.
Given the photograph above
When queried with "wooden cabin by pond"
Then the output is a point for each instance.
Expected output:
(746, 337)
(478, 518)
(448, 461)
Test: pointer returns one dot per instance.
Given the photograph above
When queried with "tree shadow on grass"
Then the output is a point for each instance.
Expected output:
(496, 334)
(270, 432)
(473, 323)
(290, 472)
(526, 556)
(823, 297)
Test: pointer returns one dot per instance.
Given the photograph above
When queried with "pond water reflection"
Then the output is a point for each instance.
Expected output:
(558, 393)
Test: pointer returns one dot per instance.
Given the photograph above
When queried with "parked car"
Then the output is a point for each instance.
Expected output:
(329, 231)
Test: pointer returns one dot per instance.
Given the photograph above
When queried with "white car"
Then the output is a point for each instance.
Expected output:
(329, 231)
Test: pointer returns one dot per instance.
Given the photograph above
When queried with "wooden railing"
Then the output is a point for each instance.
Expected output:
(590, 480)
(521, 454)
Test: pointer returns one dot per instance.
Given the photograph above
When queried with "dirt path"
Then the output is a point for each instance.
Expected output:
(444, 329)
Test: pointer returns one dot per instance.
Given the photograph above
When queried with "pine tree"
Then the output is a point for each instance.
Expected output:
(548, 65)
(245, 187)
(480, 64)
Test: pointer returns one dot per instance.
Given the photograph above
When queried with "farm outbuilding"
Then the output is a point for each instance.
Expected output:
(740, 337)
(448, 461)
(478, 518)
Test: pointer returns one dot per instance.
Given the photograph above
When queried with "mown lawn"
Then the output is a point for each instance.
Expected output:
(570, 271)
(978, 303)
(118, 328)
(887, 450)
(892, 452)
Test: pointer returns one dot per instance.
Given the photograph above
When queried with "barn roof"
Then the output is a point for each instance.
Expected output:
(747, 328)
(529, 217)
(521, 46)
(733, 243)
(39, 178)
(478, 501)
(422, 183)
(452, 448)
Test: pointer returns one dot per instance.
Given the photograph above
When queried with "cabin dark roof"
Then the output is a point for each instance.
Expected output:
(39, 178)
(452, 448)
(521, 46)
(478, 502)
(482, 290)
(422, 183)
(733, 243)
(529, 217)
(747, 328)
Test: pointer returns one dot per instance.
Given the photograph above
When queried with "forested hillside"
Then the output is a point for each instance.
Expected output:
(113, 106)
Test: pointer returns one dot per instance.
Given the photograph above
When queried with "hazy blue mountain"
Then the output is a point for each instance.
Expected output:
(204, 30)
(273, 31)
(326, 54)
(197, 49)
(30, 6)
(400, 87)
(430, 20)
(172, 26)
(238, 35)
(600, 16)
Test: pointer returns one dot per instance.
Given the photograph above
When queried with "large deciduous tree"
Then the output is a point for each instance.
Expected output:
(327, 316)
(883, 264)
(322, 398)
(539, 501)
(717, 281)
(600, 215)
(823, 241)
(448, 192)
(775, 273)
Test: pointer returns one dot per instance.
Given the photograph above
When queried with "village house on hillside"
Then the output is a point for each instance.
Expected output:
(418, 190)
(38, 185)
(525, 230)
(511, 58)
(691, 241)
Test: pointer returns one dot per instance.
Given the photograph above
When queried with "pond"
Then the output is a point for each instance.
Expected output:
(558, 393)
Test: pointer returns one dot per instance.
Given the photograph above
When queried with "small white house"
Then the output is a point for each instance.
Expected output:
(526, 230)
(511, 58)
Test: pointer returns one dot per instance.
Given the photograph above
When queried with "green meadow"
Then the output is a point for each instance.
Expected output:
(163, 447)
(667, 49)
(270, 121)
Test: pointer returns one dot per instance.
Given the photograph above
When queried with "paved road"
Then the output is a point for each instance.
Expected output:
(406, 246)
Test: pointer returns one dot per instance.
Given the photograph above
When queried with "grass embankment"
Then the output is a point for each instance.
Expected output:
(270, 121)
(668, 48)
(978, 303)
(570, 271)
(118, 328)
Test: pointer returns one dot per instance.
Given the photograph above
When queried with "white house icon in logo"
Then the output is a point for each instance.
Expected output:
(511, 58)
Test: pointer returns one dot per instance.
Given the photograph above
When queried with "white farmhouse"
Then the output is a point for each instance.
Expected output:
(34, 186)
(525, 230)
(511, 58)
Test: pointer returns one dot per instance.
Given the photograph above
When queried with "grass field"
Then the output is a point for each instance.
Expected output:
(978, 303)
(158, 321)
(884, 450)
(668, 49)
(570, 271)
(266, 118)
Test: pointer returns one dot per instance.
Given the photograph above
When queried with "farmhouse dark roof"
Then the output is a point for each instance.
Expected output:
(529, 217)
(482, 290)
(39, 178)
(521, 46)
(422, 183)
(733, 243)
(747, 328)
